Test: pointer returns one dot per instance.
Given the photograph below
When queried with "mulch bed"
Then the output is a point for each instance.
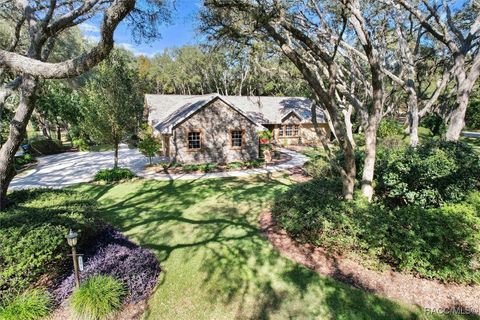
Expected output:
(394, 285)
(221, 167)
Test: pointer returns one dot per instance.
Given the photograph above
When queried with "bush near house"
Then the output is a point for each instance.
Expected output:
(424, 220)
(114, 174)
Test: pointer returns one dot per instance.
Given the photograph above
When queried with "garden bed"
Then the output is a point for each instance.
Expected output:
(430, 294)
(34, 252)
(177, 168)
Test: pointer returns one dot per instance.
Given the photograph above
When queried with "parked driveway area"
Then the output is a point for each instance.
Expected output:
(60, 170)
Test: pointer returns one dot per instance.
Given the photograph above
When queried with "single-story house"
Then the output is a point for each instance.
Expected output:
(222, 129)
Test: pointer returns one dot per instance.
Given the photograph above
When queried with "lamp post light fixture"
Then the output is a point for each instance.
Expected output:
(72, 239)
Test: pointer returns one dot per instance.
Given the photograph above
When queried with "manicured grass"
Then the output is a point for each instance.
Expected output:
(215, 263)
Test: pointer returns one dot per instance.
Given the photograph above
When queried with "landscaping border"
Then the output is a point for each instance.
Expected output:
(430, 294)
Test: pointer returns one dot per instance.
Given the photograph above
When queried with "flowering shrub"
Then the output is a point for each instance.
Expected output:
(115, 255)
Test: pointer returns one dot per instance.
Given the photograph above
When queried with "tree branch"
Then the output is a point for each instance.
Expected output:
(73, 67)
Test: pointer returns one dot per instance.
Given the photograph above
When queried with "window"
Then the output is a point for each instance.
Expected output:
(280, 131)
(237, 138)
(295, 130)
(194, 140)
(288, 131)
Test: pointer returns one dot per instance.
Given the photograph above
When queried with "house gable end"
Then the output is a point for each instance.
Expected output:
(210, 103)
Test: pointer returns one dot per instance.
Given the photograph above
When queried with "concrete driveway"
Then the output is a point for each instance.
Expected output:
(60, 170)
(471, 134)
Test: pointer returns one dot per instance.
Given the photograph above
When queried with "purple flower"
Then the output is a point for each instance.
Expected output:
(116, 256)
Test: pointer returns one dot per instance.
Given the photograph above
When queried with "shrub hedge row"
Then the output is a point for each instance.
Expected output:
(425, 218)
(439, 243)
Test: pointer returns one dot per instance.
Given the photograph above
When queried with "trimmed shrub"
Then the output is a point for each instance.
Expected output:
(257, 163)
(208, 167)
(81, 144)
(44, 146)
(24, 159)
(31, 305)
(388, 128)
(32, 235)
(430, 175)
(97, 298)
(114, 174)
(116, 256)
(318, 165)
(440, 243)
(234, 165)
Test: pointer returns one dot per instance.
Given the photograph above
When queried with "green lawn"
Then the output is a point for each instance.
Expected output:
(215, 263)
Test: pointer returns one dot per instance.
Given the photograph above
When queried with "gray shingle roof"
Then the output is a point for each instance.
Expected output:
(165, 111)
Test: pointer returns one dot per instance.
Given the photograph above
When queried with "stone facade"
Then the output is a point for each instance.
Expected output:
(304, 135)
(215, 123)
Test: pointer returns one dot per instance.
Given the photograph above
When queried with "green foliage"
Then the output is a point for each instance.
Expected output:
(31, 305)
(206, 167)
(81, 144)
(265, 134)
(149, 146)
(256, 163)
(24, 159)
(58, 102)
(440, 243)
(388, 128)
(430, 175)
(472, 117)
(435, 123)
(318, 164)
(114, 174)
(234, 165)
(196, 70)
(319, 167)
(33, 235)
(45, 146)
(111, 101)
(97, 298)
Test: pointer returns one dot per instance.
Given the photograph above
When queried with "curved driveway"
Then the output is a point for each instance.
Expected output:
(60, 170)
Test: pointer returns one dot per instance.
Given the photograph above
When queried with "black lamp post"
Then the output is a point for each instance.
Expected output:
(72, 238)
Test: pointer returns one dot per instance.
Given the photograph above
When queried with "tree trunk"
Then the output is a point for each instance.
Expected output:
(457, 118)
(17, 132)
(413, 118)
(369, 163)
(59, 133)
(371, 136)
(348, 178)
(115, 160)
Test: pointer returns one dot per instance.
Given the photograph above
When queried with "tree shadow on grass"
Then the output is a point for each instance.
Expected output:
(215, 222)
